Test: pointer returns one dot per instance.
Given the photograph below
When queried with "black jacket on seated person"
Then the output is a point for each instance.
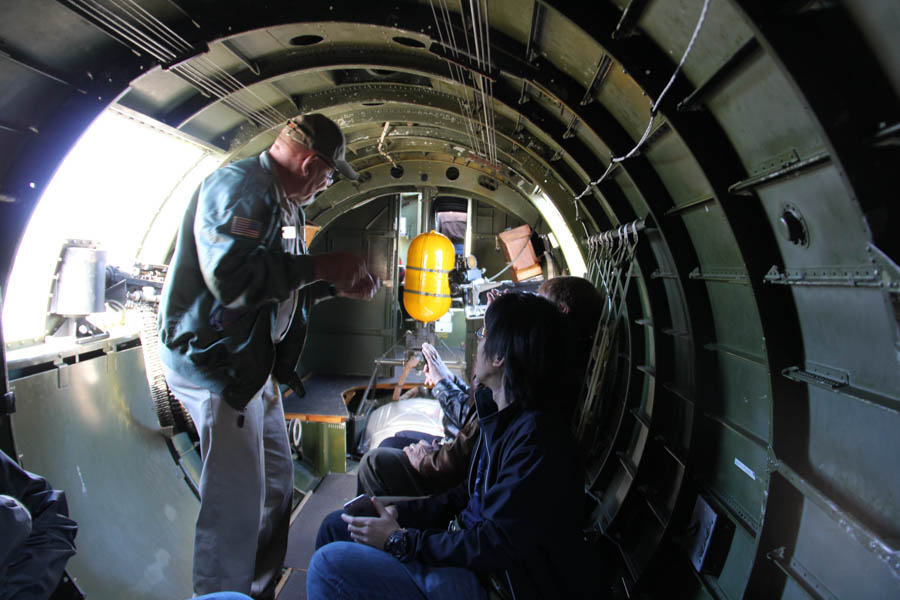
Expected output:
(531, 496)
(37, 537)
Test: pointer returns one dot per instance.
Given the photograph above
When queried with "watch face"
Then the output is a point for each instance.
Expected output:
(397, 543)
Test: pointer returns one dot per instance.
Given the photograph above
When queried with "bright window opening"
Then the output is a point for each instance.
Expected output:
(124, 186)
(563, 235)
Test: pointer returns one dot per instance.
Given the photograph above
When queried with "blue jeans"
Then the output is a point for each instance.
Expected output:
(343, 569)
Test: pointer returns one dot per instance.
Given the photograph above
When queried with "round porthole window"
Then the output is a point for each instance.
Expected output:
(306, 40)
(410, 42)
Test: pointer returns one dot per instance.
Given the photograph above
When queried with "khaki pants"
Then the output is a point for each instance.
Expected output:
(246, 487)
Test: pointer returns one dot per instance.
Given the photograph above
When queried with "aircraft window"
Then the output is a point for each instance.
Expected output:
(453, 225)
(124, 185)
(561, 235)
(409, 42)
(306, 40)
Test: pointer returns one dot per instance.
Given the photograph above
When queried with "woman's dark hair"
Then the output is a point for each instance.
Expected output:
(529, 333)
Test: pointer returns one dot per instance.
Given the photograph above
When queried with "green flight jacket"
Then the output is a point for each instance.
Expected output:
(227, 276)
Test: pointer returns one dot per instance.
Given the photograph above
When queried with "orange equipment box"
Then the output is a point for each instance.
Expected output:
(517, 242)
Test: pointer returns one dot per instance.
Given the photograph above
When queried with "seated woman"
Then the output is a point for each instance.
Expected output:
(514, 525)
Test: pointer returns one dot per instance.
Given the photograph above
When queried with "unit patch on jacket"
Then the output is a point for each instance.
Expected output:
(246, 227)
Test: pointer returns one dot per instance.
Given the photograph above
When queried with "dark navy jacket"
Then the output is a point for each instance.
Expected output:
(37, 537)
(531, 503)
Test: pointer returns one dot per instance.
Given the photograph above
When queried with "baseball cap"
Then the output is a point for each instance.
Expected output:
(321, 134)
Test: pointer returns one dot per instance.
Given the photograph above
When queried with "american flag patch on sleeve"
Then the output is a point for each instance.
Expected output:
(246, 227)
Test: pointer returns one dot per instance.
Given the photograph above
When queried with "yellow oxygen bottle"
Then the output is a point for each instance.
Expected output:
(429, 261)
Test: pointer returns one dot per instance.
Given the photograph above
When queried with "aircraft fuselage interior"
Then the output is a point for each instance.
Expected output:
(723, 171)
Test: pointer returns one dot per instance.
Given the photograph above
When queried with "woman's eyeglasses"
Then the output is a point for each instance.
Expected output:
(479, 333)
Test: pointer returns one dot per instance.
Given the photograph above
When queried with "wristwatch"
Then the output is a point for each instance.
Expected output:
(397, 545)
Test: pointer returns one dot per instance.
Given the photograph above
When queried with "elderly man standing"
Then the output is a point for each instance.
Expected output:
(232, 323)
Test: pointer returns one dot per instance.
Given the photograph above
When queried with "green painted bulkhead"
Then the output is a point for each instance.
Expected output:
(757, 369)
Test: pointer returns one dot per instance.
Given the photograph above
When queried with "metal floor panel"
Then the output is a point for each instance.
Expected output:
(295, 587)
(322, 386)
(334, 490)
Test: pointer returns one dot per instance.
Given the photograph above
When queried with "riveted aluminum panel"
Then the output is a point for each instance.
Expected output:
(850, 330)
(94, 435)
(626, 101)
(28, 98)
(341, 324)
(568, 47)
(712, 238)
(742, 395)
(736, 569)
(156, 92)
(837, 232)
(736, 317)
(54, 36)
(737, 471)
(627, 187)
(852, 445)
(759, 112)
(838, 562)
(511, 18)
(679, 171)
(671, 23)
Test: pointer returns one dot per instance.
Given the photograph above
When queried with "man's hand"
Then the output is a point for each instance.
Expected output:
(365, 288)
(348, 273)
(435, 369)
(373, 531)
(417, 452)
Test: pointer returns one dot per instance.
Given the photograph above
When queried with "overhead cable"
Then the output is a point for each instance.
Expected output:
(480, 129)
(481, 37)
(653, 110)
(381, 150)
(456, 72)
(223, 82)
(142, 31)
